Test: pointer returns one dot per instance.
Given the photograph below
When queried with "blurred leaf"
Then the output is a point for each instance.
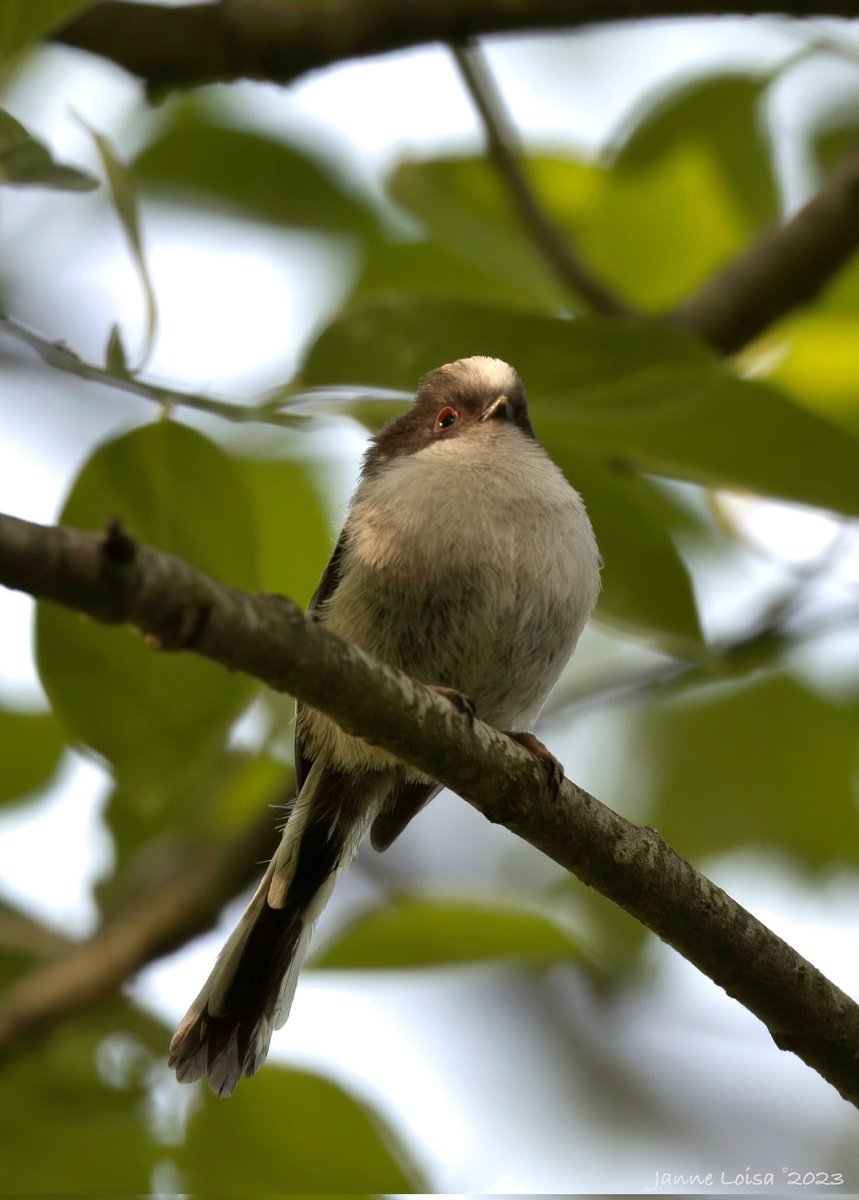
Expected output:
(430, 268)
(266, 179)
(721, 431)
(64, 1130)
(391, 342)
(159, 719)
(293, 539)
(26, 162)
(835, 133)
(660, 232)
(634, 391)
(23, 22)
(719, 114)
(123, 193)
(817, 363)
(289, 1132)
(835, 143)
(31, 747)
(646, 585)
(228, 797)
(474, 234)
(413, 932)
(615, 217)
(769, 763)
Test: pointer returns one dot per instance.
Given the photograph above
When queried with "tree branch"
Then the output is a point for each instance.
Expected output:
(279, 40)
(783, 270)
(114, 579)
(559, 254)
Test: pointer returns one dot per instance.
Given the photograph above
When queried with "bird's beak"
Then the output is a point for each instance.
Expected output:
(497, 406)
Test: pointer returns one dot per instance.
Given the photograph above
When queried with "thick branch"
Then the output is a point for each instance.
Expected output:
(783, 270)
(559, 254)
(279, 40)
(114, 579)
(186, 896)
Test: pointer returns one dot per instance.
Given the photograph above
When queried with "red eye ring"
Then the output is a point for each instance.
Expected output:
(446, 418)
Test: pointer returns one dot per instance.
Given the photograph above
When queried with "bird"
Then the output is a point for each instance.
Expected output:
(468, 562)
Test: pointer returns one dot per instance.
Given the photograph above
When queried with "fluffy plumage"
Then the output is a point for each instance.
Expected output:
(466, 561)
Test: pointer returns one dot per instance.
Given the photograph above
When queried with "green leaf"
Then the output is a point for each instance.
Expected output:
(198, 153)
(32, 744)
(615, 217)
(63, 1129)
(116, 360)
(26, 162)
(628, 390)
(160, 720)
(430, 268)
(390, 342)
(292, 534)
(414, 932)
(816, 362)
(123, 193)
(289, 1132)
(474, 235)
(23, 22)
(768, 763)
(646, 586)
(721, 115)
(720, 431)
(836, 132)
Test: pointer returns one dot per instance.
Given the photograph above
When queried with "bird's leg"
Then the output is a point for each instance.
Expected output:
(554, 769)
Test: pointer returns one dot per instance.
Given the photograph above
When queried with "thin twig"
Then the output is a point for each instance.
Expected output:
(558, 252)
(58, 355)
(114, 579)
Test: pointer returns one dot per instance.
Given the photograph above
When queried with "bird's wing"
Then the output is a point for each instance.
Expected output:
(327, 586)
(405, 802)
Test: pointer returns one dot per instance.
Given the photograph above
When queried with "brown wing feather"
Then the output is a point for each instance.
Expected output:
(406, 802)
(331, 577)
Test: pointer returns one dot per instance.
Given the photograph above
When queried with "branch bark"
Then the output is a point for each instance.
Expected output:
(279, 40)
(114, 579)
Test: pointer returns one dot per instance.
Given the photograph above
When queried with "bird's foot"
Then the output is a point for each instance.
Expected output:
(461, 702)
(554, 769)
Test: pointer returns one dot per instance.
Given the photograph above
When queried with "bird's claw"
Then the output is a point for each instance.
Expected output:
(554, 769)
(461, 702)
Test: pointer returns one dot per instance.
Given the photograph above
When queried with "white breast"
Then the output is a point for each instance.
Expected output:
(471, 564)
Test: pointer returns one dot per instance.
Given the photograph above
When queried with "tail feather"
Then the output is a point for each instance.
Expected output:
(227, 1030)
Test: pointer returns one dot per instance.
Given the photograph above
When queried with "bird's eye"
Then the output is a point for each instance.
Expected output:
(447, 416)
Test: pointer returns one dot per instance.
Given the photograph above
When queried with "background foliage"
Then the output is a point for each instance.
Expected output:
(715, 703)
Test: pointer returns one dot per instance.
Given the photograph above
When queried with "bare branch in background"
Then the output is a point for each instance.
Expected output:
(279, 40)
(114, 579)
(785, 269)
(559, 254)
(185, 896)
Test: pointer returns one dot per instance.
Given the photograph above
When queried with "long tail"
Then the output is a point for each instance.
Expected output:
(227, 1030)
